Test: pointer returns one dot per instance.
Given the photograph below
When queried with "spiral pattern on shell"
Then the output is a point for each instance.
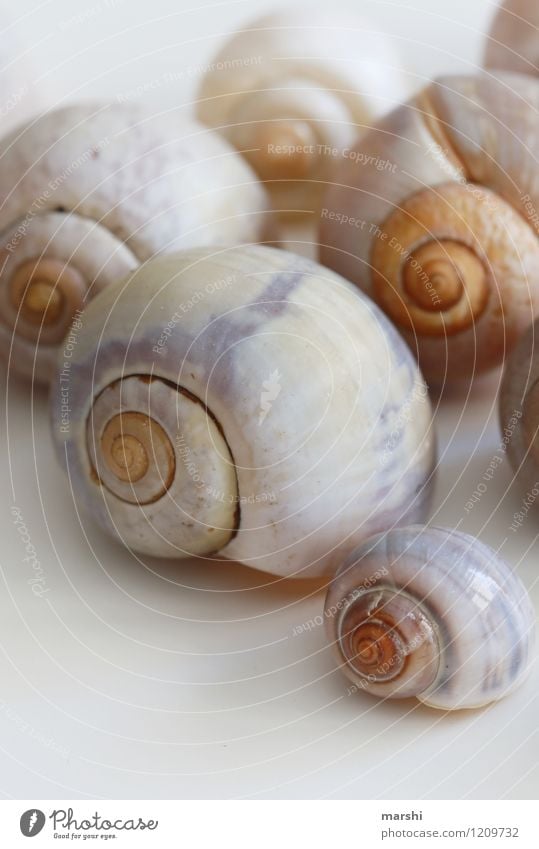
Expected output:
(430, 613)
(291, 91)
(89, 192)
(245, 401)
(447, 242)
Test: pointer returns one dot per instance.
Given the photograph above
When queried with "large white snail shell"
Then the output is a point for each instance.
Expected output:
(87, 193)
(294, 88)
(245, 401)
(439, 221)
(513, 40)
(431, 613)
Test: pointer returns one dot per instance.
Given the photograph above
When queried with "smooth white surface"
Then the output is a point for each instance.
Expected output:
(169, 680)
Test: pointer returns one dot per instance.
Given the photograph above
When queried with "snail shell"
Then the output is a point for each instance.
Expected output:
(87, 193)
(519, 411)
(245, 401)
(446, 240)
(293, 89)
(513, 41)
(430, 613)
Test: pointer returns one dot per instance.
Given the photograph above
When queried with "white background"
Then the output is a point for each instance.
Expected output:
(171, 680)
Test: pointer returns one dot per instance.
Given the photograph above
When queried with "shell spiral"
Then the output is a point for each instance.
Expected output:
(513, 40)
(291, 91)
(89, 192)
(432, 613)
(440, 224)
(22, 91)
(246, 401)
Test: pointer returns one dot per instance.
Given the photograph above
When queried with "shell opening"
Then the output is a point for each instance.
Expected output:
(389, 643)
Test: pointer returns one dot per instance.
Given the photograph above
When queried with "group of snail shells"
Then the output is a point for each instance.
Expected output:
(225, 397)
(170, 445)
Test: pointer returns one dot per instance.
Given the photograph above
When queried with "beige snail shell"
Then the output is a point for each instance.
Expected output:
(431, 613)
(243, 401)
(90, 191)
(439, 225)
(513, 40)
(291, 90)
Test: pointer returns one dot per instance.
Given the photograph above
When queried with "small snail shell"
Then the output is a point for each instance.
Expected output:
(438, 224)
(513, 41)
(519, 411)
(430, 613)
(87, 193)
(245, 401)
(293, 89)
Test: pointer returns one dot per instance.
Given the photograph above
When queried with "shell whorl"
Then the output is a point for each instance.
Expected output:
(389, 642)
(430, 613)
(308, 81)
(138, 430)
(446, 243)
(50, 267)
(296, 441)
(88, 193)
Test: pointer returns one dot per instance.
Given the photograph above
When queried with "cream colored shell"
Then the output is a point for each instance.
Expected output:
(440, 223)
(98, 189)
(293, 89)
(325, 418)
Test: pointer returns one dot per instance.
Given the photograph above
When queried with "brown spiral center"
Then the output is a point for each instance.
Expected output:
(388, 642)
(38, 290)
(131, 444)
(376, 650)
(530, 421)
(439, 274)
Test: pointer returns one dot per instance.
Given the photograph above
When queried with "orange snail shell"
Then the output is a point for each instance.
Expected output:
(439, 221)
